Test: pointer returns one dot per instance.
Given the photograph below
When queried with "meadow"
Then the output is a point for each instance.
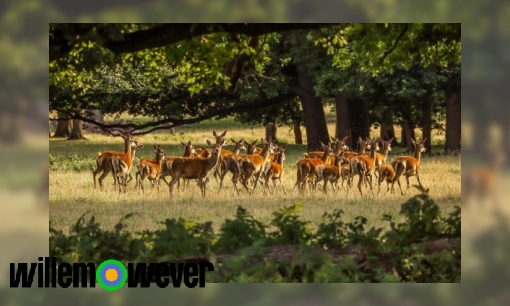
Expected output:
(72, 193)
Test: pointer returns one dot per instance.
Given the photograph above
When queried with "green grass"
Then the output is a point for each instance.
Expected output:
(72, 192)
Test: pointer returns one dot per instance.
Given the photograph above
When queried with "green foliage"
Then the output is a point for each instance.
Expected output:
(71, 162)
(267, 253)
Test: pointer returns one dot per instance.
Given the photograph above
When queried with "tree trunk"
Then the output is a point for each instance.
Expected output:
(453, 124)
(407, 134)
(314, 116)
(427, 123)
(298, 135)
(271, 131)
(64, 127)
(343, 123)
(77, 131)
(360, 123)
(387, 132)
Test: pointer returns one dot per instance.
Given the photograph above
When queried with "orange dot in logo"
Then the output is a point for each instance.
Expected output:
(111, 275)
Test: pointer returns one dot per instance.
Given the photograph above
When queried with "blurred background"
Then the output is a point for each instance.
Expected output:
(485, 143)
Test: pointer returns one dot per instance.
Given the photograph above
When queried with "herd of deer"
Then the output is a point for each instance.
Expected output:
(260, 164)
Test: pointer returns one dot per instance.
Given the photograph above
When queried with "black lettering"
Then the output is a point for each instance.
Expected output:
(54, 272)
(40, 276)
(176, 274)
(64, 273)
(84, 279)
(46, 272)
(141, 274)
(188, 274)
(22, 274)
(210, 267)
(161, 274)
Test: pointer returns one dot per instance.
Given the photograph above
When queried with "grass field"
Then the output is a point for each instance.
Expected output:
(72, 192)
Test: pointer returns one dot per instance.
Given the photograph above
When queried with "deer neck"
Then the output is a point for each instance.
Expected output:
(159, 159)
(417, 153)
(265, 152)
(132, 153)
(213, 159)
(325, 155)
(386, 149)
(338, 147)
(362, 146)
(280, 159)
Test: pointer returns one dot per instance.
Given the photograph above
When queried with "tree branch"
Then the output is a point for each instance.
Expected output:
(388, 52)
(157, 125)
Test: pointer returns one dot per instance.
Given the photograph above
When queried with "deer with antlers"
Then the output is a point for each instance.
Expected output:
(407, 165)
(307, 169)
(149, 170)
(195, 168)
(364, 167)
(274, 170)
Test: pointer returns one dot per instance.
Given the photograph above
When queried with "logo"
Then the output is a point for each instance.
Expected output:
(111, 274)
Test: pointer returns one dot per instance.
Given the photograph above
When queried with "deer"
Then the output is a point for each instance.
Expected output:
(339, 146)
(195, 168)
(103, 160)
(386, 173)
(407, 165)
(331, 173)
(253, 165)
(121, 164)
(380, 158)
(189, 151)
(345, 166)
(149, 170)
(274, 170)
(306, 169)
(228, 164)
(219, 140)
(363, 166)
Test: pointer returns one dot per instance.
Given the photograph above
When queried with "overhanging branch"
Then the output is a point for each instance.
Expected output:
(388, 52)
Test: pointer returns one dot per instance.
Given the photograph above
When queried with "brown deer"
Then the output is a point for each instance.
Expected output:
(331, 173)
(253, 164)
(274, 170)
(407, 165)
(189, 151)
(345, 166)
(229, 163)
(151, 171)
(104, 163)
(380, 158)
(306, 169)
(339, 146)
(195, 168)
(364, 167)
(386, 173)
(219, 140)
(121, 164)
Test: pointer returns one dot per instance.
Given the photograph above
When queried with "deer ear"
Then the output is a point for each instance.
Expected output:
(214, 133)
(391, 140)
(423, 141)
(183, 143)
(209, 143)
(233, 141)
(223, 134)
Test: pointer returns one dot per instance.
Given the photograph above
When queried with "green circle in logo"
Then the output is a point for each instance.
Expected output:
(111, 275)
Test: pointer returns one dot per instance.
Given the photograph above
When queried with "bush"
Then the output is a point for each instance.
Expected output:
(338, 251)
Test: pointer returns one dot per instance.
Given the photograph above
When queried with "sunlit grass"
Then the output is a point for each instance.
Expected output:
(72, 193)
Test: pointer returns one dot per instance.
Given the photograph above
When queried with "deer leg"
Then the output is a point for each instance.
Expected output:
(101, 178)
(172, 183)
